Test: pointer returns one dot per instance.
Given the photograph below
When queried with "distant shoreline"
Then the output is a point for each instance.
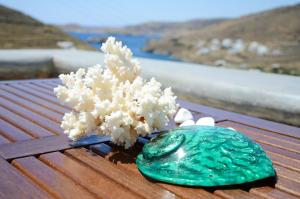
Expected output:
(136, 43)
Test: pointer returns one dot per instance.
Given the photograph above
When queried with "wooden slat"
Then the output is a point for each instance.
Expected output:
(195, 114)
(54, 80)
(188, 192)
(288, 181)
(51, 84)
(52, 181)
(36, 93)
(54, 116)
(124, 159)
(251, 121)
(284, 161)
(280, 151)
(235, 193)
(198, 115)
(12, 133)
(14, 185)
(260, 132)
(39, 88)
(285, 184)
(87, 177)
(34, 117)
(24, 124)
(33, 147)
(34, 99)
(44, 85)
(288, 186)
(270, 193)
(278, 142)
(260, 123)
(26, 105)
(268, 144)
(3, 140)
(287, 173)
(145, 188)
(44, 145)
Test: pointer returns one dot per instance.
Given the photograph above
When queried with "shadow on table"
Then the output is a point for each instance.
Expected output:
(271, 181)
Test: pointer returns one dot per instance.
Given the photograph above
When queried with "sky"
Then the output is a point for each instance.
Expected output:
(116, 13)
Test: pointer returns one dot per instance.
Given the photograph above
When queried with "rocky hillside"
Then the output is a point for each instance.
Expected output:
(22, 31)
(268, 41)
(156, 28)
(169, 27)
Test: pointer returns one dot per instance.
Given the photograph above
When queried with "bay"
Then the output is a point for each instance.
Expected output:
(135, 42)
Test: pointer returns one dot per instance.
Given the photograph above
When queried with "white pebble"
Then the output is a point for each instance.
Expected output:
(231, 128)
(206, 121)
(188, 123)
(183, 115)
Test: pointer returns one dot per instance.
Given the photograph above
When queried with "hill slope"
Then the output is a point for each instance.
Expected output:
(168, 27)
(274, 25)
(22, 31)
(145, 28)
(277, 30)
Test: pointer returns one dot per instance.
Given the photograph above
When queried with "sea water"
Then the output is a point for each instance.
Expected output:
(135, 42)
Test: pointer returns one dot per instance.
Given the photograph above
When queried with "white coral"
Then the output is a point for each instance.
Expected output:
(114, 100)
(119, 60)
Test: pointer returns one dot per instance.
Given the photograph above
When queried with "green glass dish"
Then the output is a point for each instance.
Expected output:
(204, 156)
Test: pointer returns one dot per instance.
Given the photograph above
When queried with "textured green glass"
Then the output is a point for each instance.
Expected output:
(204, 156)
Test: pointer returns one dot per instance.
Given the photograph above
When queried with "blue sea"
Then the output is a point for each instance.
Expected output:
(135, 42)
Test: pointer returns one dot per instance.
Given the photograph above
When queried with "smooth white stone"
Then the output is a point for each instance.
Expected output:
(231, 128)
(206, 121)
(183, 115)
(188, 123)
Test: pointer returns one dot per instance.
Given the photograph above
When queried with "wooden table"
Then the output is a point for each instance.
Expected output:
(38, 161)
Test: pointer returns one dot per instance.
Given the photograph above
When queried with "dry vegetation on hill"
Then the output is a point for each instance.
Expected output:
(148, 28)
(21, 31)
(278, 30)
